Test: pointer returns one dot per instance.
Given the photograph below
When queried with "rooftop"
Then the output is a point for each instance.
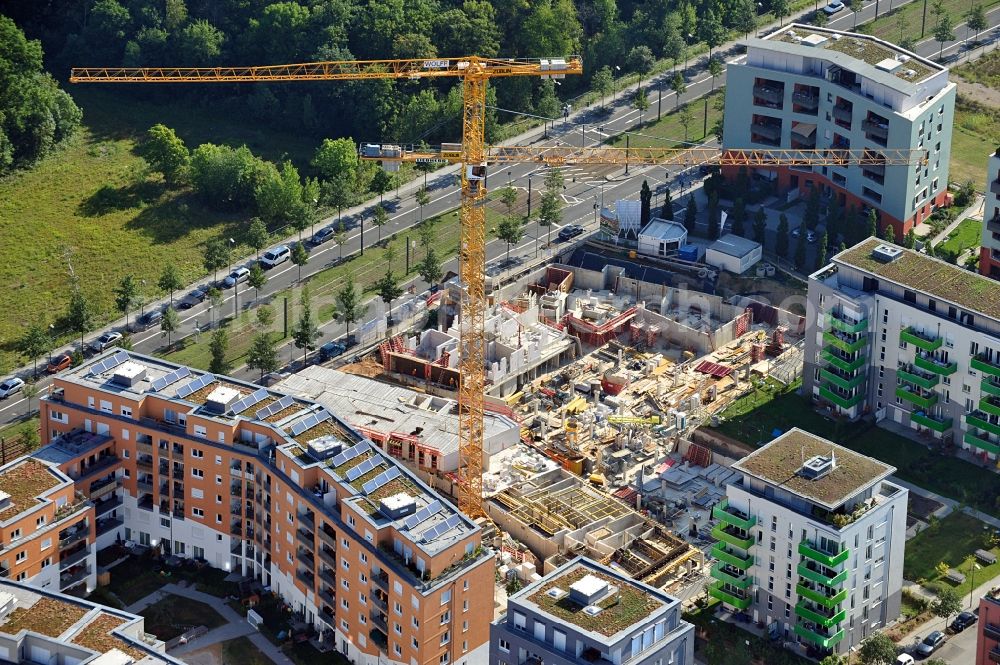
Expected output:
(734, 245)
(25, 482)
(664, 229)
(627, 604)
(779, 462)
(97, 635)
(934, 277)
(47, 616)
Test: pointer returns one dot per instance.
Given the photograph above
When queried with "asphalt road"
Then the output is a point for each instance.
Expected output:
(588, 126)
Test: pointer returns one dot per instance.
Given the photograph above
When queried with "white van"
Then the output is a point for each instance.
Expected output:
(276, 256)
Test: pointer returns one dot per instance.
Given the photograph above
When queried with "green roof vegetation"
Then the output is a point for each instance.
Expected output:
(860, 47)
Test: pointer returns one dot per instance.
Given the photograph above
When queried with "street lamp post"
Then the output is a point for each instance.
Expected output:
(142, 298)
(618, 70)
(689, 38)
(760, 8)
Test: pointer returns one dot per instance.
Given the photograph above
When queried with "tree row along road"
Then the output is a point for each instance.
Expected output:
(586, 126)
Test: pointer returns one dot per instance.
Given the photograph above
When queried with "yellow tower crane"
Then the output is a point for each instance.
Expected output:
(474, 72)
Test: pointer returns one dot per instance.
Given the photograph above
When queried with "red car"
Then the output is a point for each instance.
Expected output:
(59, 363)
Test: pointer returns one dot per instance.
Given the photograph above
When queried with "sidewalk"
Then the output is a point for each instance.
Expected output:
(235, 626)
(951, 503)
(937, 623)
(974, 209)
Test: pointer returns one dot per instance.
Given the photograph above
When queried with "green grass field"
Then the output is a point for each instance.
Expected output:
(985, 70)
(964, 236)
(952, 540)
(172, 616)
(899, 24)
(975, 134)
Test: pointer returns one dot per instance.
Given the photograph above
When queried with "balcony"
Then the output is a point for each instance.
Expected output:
(100, 488)
(733, 597)
(985, 365)
(934, 365)
(144, 462)
(235, 489)
(923, 401)
(106, 506)
(990, 405)
(990, 386)
(994, 654)
(328, 597)
(843, 401)
(381, 580)
(72, 579)
(915, 377)
(726, 513)
(828, 559)
(328, 557)
(720, 552)
(236, 529)
(107, 525)
(936, 423)
(144, 485)
(845, 344)
(982, 443)
(812, 572)
(326, 574)
(145, 503)
(844, 324)
(819, 618)
(767, 130)
(305, 539)
(806, 100)
(737, 580)
(774, 95)
(308, 520)
(875, 129)
(841, 381)
(305, 577)
(842, 364)
(822, 640)
(731, 535)
(73, 535)
(378, 619)
(178, 473)
(328, 537)
(74, 558)
(995, 186)
(980, 420)
(844, 114)
(103, 463)
(306, 558)
(817, 596)
(992, 631)
(920, 339)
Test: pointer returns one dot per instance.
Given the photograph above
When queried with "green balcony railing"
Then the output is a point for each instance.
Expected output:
(845, 402)
(835, 321)
(810, 614)
(841, 364)
(991, 367)
(816, 576)
(920, 340)
(982, 443)
(925, 381)
(922, 401)
(848, 383)
(936, 423)
(809, 551)
(936, 366)
(738, 581)
(720, 552)
(990, 405)
(725, 533)
(990, 386)
(730, 597)
(978, 419)
(723, 512)
(820, 597)
(845, 345)
(819, 639)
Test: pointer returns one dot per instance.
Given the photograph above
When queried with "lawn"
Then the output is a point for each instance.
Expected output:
(669, 130)
(134, 579)
(174, 615)
(722, 643)
(964, 236)
(303, 653)
(241, 651)
(975, 134)
(898, 25)
(952, 540)
(985, 70)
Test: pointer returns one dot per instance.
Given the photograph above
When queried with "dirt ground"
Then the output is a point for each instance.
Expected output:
(977, 91)
(210, 655)
(786, 292)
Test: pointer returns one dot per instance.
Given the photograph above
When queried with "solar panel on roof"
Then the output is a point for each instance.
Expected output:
(363, 468)
(279, 406)
(251, 399)
(195, 386)
(168, 379)
(108, 363)
(443, 528)
(425, 513)
(380, 480)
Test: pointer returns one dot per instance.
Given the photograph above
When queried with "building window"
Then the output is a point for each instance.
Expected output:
(197, 512)
(504, 646)
(197, 473)
(21, 556)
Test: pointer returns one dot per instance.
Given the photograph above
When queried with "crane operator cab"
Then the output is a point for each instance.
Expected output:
(476, 175)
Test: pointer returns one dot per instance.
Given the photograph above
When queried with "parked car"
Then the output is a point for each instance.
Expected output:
(330, 350)
(237, 276)
(571, 231)
(833, 8)
(810, 236)
(59, 363)
(795, 232)
(190, 300)
(931, 643)
(148, 320)
(321, 236)
(106, 341)
(963, 621)
(10, 386)
(272, 378)
(904, 659)
(275, 256)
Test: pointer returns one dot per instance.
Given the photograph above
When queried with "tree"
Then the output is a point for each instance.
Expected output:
(800, 249)
(640, 101)
(975, 19)
(169, 324)
(340, 237)
(379, 218)
(336, 160)
(30, 391)
(279, 196)
(711, 31)
(423, 197)
(679, 87)
(760, 226)
(218, 346)
(34, 344)
(382, 182)
(603, 82)
(388, 290)
(30, 439)
(811, 214)
(640, 60)
(300, 257)
(910, 239)
(257, 235)
(715, 68)
(943, 32)
(820, 19)
(834, 658)
(262, 354)
(878, 649)
(170, 280)
(349, 306)
(550, 210)
(948, 602)
(265, 317)
(216, 255)
(889, 233)
(79, 317)
(856, 7)
(166, 153)
(645, 199)
(872, 223)
(824, 242)
(667, 211)
(429, 267)
(215, 300)
(690, 214)
(257, 278)
(126, 295)
(739, 216)
(782, 9)
(510, 230)
(200, 44)
(782, 241)
(744, 17)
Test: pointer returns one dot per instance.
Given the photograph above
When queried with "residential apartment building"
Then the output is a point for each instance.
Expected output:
(810, 542)
(909, 338)
(42, 626)
(270, 485)
(813, 88)
(586, 613)
(988, 638)
(989, 248)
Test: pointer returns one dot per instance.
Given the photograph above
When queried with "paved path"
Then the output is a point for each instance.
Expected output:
(951, 503)
(235, 626)
(976, 208)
